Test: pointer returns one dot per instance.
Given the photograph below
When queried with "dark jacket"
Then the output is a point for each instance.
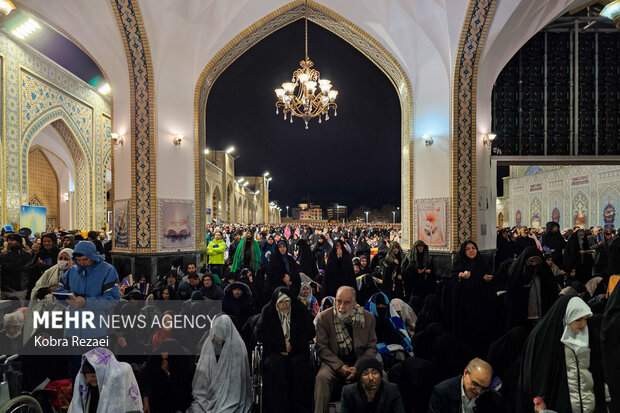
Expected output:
(446, 398)
(387, 400)
(14, 270)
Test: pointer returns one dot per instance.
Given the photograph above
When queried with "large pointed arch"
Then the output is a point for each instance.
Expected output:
(342, 28)
(70, 135)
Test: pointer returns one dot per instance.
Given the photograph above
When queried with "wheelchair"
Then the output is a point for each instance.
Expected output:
(11, 399)
(256, 368)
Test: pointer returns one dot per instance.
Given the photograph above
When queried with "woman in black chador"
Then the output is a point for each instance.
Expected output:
(394, 283)
(285, 328)
(339, 270)
(469, 299)
(558, 359)
(282, 271)
(419, 270)
(531, 289)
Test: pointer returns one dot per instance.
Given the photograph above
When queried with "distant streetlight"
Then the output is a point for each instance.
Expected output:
(230, 149)
(393, 217)
(367, 212)
(287, 211)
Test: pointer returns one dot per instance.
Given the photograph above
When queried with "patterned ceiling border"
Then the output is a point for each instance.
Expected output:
(142, 232)
(463, 214)
(344, 29)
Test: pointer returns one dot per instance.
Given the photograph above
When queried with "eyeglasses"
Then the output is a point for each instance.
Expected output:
(476, 385)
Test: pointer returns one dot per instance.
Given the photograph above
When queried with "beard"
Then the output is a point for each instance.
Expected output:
(344, 316)
(14, 336)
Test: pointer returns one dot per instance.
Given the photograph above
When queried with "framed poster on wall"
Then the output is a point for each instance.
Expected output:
(177, 225)
(432, 222)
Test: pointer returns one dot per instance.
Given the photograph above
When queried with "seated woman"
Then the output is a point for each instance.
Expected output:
(366, 286)
(222, 382)
(105, 384)
(405, 312)
(168, 379)
(307, 299)
(556, 361)
(392, 337)
(285, 328)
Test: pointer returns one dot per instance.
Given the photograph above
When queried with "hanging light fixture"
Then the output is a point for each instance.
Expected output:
(301, 97)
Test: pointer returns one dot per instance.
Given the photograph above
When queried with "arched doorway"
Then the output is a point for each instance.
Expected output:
(216, 204)
(230, 202)
(342, 28)
(43, 184)
(500, 219)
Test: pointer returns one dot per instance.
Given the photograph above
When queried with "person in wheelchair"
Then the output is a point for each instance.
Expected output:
(393, 341)
(344, 334)
(285, 328)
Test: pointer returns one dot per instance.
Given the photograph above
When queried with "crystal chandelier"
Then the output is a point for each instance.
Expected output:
(301, 98)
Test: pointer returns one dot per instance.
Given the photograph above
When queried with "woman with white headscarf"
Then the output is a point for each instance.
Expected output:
(222, 382)
(105, 384)
(41, 298)
(556, 362)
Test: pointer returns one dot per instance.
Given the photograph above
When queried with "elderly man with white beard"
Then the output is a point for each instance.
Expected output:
(344, 333)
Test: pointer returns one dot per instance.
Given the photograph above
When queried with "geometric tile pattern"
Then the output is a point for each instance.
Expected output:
(142, 232)
(35, 93)
(342, 28)
(463, 159)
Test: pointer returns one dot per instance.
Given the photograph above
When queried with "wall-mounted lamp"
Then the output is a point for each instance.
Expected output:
(66, 196)
(428, 139)
(240, 180)
(257, 192)
(6, 6)
(230, 149)
(266, 174)
(177, 139)
(246, 183)
(488, 139)
(117, 139)
(206, 151)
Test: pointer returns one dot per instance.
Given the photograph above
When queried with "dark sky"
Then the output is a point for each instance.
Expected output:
(353, 159)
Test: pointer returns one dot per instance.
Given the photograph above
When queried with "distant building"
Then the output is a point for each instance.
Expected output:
(312, 212)
(295, 213)
(337, 212)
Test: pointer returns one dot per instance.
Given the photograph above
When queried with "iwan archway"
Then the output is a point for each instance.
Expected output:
(344, 29)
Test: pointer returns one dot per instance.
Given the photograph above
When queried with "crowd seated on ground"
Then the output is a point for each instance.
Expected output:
(340, 314)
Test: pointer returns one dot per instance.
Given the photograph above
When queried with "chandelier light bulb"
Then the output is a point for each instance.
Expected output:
(332, 95)
(280, 93)
(288, 87)
(311, 85)
(304, 77)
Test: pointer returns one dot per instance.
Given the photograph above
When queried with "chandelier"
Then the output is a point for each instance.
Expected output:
(300, 96)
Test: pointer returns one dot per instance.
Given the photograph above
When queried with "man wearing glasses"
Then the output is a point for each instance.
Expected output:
(468, 392)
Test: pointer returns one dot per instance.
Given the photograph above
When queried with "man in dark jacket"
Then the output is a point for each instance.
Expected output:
(13, 267)
(468, 392)
(370, 394)
(614, 256)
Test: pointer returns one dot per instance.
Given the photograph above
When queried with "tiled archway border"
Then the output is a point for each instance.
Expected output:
(142, 232)
(346, 30)
(463, 148)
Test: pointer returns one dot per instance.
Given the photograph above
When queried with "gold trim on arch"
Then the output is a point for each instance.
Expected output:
(344, 29)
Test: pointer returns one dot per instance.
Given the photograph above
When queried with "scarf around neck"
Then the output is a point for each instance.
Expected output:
(344, 339)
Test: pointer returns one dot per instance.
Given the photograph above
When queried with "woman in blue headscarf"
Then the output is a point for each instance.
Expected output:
(393, 340)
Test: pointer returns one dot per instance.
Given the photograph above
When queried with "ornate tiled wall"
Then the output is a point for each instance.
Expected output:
(341, 27)
(463, 161)
(35, 93)
(590, 193)
(142, 232)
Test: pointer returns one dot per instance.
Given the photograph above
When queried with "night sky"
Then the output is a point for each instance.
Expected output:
(353, 159)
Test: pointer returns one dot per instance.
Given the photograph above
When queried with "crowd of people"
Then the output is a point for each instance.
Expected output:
(343, 313)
